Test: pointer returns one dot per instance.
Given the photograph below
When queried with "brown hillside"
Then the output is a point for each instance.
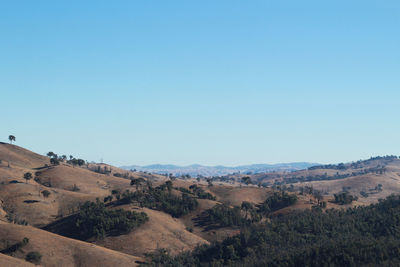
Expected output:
(61, 251)
(233, 195)
(7, 261)
(24, 202)
(390, 184)
(18, 156)
(66, 177)
(161, 231)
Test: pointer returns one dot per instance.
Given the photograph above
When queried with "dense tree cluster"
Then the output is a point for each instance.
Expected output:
(56, 159)
(221, 215)
(344, 198)
(200, 193)
(340, 166)
(362, 236)
(161, 198)
(95, 220)
(277, 201)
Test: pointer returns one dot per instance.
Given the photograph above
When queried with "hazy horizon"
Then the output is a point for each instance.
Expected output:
(211, 83)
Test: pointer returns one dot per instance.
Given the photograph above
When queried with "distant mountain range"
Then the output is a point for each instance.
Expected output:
(196, 169)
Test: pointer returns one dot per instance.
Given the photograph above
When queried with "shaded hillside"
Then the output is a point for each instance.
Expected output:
(162, 231)
(61, 251)
(7, 261)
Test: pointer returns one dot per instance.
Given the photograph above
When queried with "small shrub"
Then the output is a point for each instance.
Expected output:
(46, 193)
(34, 257)
(75, 188)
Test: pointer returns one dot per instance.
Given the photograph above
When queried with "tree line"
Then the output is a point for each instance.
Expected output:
(361, 236)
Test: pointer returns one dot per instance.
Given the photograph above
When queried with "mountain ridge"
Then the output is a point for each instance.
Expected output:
(204, 170)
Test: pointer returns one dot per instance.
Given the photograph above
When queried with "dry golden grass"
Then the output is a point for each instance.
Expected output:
(161, 231)
(21, 157)
(61, 251)
(234, 195)
(23, 200)
(390, 182)
(7, 261)
(66, 177)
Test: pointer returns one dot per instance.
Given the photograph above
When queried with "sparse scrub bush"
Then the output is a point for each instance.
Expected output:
(34, 256)
(46, 193)
(344, 198)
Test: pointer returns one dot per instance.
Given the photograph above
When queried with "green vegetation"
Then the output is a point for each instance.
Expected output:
(11, 138)
(277, 201)
(55, 159)
(46, 193)
(161, 198)
(246, 180)
(95, 220)
(221, 216)
(75, 188)
(344, 198)
(15, 247)
(34, 257)
(200, 193)
(27, 176)
(108, 198)
(362, 236)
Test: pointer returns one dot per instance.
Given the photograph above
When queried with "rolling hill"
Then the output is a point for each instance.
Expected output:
(26, 212)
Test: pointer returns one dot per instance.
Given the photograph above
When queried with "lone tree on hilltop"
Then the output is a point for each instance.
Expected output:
(51, 154)
(11, 138)
(27, 176)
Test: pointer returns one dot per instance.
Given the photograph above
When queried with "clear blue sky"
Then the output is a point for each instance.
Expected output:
(209, 82)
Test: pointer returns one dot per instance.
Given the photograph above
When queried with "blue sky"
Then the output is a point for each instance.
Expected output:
(209, 82)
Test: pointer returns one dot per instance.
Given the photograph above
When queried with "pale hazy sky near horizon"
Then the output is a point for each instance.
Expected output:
(208, 82)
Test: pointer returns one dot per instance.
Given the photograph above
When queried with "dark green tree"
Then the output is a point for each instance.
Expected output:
(46, 193)
(246, 180)
(27, 176)
(34, 256)
(11, 138)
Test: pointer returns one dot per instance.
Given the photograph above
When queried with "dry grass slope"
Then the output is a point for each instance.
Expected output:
(161, 231)
(7, 261)
(61, 251)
